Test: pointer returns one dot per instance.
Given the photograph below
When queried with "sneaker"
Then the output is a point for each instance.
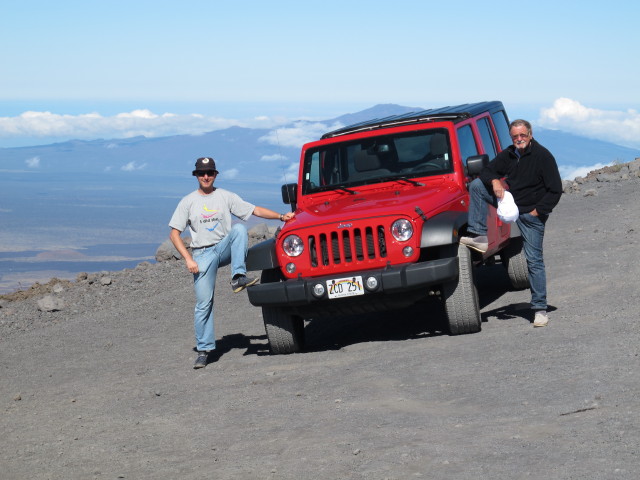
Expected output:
(241, 282)
(540, 319)
(479, 243)
(201, 360)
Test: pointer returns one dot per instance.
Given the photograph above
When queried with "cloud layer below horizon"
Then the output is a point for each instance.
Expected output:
(617, 126)
(91, 126)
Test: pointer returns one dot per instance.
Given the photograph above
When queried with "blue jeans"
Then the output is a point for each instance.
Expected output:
(232, 249)
(531, 228)
(479, 200)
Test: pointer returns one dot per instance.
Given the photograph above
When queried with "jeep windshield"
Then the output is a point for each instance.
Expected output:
(377, 159)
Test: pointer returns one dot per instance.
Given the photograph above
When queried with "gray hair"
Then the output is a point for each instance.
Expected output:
(521, 123)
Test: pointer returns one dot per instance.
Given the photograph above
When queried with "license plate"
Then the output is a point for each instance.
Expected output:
(345, 287)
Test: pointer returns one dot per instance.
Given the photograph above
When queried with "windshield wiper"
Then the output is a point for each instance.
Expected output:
(402, 179)
(412, 182)
(344, 189)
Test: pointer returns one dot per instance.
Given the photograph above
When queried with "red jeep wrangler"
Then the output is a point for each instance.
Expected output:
(380, 207)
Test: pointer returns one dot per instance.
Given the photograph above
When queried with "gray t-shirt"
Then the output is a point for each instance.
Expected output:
(209, 216)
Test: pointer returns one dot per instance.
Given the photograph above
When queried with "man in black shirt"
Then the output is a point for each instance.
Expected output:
(532, 177)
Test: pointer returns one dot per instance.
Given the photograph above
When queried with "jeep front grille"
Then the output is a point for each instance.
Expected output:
(348, 245)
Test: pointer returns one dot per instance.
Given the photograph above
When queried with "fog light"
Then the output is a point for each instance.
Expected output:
(407, 251)
(291, 267)
(371, 283)
(318, 290)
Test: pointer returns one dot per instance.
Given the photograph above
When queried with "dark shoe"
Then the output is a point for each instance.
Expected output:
(201, 360)
(479, 243)
(241, 282)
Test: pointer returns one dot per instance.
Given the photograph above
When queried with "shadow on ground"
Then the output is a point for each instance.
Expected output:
(426, 318)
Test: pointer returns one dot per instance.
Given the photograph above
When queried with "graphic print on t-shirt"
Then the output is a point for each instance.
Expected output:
(209, 218)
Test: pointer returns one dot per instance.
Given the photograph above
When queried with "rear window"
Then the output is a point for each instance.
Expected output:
(501, 123)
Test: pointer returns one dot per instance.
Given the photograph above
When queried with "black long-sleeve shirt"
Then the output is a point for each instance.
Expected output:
(533, 177)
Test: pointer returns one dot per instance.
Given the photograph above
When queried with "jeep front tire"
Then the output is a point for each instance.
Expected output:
(285, 331)
(461, 298)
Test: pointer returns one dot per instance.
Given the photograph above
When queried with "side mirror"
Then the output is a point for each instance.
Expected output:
(476, 163)
(289, 194)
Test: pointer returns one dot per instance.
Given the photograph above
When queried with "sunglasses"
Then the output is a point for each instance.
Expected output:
(208, 172)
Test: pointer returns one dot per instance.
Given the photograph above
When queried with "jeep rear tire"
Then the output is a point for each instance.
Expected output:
(461, 298)
(285, 331)
(515, 262)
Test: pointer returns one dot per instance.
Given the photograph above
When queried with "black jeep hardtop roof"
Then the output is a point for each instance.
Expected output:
(455, 113)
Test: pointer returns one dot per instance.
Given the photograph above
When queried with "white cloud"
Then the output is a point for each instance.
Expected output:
(299, 134)
(621, 127)
(273, 158)
(290, 175)
(33, 162)
(570, 172)
(231, 173)
(133, 166)
(122, 125)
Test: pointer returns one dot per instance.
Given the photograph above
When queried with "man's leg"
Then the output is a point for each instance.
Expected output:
(532, 229)
(479, 200)
(204, 286)
(233, 250)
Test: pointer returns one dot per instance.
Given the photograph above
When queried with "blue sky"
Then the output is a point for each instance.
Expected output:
(100, 69)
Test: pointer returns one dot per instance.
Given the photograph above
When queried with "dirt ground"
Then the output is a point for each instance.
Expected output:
(104, 388)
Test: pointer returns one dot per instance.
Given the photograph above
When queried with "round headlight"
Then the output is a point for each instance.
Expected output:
(402, 230)
(292, 245)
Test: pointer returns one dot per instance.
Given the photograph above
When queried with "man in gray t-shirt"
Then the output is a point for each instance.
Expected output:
(215, 242)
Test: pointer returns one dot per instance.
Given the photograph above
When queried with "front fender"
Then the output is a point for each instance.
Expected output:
(262, 256)
(443, 229)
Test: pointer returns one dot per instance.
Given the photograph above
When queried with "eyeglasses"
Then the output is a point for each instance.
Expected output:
(519, 135)
(210, 173)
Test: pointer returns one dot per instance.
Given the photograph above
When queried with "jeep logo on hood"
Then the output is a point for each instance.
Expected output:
(345, 225)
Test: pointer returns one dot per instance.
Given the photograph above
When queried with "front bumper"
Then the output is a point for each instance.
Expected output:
(391, 280)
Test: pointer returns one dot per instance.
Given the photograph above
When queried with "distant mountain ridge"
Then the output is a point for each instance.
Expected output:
(111, 199)
(245, 152)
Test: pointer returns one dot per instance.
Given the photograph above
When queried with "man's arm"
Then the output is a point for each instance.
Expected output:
(174, 236)
(271, 215)
(493, 173)
(498, 188)
(553, 186)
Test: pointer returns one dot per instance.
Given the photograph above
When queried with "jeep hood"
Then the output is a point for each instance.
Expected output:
(403, 200)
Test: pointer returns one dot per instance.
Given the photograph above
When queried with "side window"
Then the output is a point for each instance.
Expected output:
(502, 127)
(466, 142)
(487, 137)
(313, 175)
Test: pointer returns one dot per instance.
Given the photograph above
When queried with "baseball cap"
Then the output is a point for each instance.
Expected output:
(507, 208)
(205, 164)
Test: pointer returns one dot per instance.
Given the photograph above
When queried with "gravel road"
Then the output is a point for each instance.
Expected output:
(104, 388)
